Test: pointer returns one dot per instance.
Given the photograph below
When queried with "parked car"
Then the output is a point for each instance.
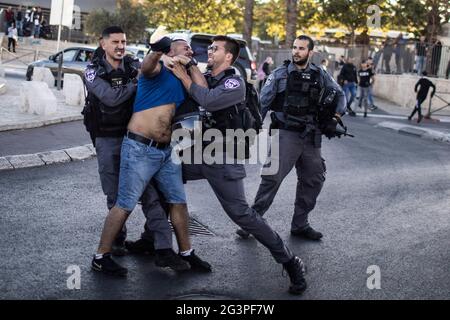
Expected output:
(245, 65)
(139, 52)
(75, 60)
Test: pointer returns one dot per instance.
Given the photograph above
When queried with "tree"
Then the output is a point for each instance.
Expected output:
(438, 14)
(270, 19)
(128, 15)
(291, 21)
(212, 16)
(248, 21)
(350, 13)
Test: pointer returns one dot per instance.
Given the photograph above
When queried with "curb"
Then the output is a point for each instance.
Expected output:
(423, 133)
(39, 123)
(41, 159)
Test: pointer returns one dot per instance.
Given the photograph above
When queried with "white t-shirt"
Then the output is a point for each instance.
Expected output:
(12, 32)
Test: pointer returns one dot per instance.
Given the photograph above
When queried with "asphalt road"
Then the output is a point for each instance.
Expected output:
(385, 203)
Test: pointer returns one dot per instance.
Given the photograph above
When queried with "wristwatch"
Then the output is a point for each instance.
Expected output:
(191, 63)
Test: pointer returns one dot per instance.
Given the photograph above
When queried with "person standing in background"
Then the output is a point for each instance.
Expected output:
(19, 21)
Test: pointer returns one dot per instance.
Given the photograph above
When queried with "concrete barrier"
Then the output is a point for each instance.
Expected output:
(73, 90)
(3, 86)
(399, 89)
(37, 98)
(44, 75)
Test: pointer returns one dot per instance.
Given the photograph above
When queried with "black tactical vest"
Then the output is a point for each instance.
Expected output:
(228, 118)
(301, 96)
(112, 121)
(302, 93)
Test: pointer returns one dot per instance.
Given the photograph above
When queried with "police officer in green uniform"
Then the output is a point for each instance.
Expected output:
(304, 101)
(111, 82)
(223, 96)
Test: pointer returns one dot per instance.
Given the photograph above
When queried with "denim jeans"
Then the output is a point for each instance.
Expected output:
(370, 96)
(139, 163)
(420, 64)
(350, 87)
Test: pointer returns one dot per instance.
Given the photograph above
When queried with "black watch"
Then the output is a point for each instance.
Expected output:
(191, 63)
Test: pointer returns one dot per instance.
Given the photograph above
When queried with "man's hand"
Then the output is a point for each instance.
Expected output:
(178, 70)
(181, 59)
(168, 61)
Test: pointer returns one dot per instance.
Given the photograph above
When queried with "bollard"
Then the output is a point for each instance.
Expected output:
(60, 64)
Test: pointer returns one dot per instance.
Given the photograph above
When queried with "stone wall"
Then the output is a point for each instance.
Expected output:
(399, 89)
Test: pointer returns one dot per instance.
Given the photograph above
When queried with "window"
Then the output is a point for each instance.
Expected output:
(69, 55)
(84, 56)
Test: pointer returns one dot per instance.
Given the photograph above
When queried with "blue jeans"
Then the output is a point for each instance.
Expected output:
(350, 87)
(37, 31)
(19, 25)
(420, 64)
(370, 97)
(139, 163)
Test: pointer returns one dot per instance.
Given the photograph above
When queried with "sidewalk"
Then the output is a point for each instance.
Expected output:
(437, 128)
(29, 140)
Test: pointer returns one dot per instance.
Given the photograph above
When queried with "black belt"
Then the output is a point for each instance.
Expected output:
(146, 141)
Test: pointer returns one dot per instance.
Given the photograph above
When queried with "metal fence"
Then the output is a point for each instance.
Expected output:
(388, 59)
(408, 58)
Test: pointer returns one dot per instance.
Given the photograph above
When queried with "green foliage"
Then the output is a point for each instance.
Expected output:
(210, 16)
(128, 16)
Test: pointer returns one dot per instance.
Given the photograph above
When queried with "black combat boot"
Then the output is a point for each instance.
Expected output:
(308, 233)
(296, 270)
(168, 258)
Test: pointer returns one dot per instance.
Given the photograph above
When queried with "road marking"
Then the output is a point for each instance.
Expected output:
(391, 116)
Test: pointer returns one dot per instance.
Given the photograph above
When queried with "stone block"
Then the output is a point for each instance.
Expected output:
(3, 86)
(44, 75)
(73, 90)
(37, 98)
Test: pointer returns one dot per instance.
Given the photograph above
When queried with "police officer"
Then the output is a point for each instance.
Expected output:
(222, 97)
(111, 81)
(296, 93)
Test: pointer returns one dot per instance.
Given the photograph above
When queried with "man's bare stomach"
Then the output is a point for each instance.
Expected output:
(154, 123)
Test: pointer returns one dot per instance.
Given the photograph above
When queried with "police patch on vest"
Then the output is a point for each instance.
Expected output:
(232, 84)
(269, 80)
(90, 75)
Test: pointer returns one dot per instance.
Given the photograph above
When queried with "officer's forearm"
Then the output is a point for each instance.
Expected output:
(151, 63)
(198, 77)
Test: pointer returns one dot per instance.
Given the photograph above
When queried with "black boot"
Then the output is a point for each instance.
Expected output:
(168, 258)
(308, 233)
(296, 270)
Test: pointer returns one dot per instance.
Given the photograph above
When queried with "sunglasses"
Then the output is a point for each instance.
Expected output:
(213, 48)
